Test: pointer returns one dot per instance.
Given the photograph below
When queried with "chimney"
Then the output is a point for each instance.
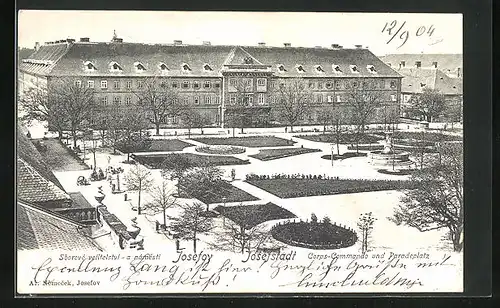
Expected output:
(177, 42)
(402, 64)
(358, 46)
(262, 44)
(118, 40)
(336, 46)
(207, 43)
(459, 73)
(37, 46)
(70, 40)
(418, 64)
(85, 39)
(435, 64)
(287, 44)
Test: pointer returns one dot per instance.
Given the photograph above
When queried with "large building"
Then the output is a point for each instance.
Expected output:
(206, 76)
(450, 64)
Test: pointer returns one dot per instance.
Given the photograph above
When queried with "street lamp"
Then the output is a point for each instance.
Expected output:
(332, 146)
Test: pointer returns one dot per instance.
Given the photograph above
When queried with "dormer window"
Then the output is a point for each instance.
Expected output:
(89, 66)
(186, 67)
(319, 69)
(371, 69)
(163, 67)
(139, 66)
(422, 84)
(281, 68)
(336, 69)
(207, 68)
(354, 68)
(115, 67)
(300, 69)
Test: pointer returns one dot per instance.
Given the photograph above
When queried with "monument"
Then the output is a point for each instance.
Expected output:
(390, 156)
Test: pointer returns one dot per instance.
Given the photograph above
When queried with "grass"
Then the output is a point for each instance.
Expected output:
(59, 158)
(163, 145)
(427, 136)
(344, 156)
(294, 188)
(270, 154)
(156, 161)
(220, 149)
(249, 216)
(251, 141)
(396, 172)
(344, 138)
(232, 194)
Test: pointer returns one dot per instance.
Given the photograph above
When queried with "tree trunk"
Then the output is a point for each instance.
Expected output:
(233, 131)
(242, 239)
(59, 131)
(291, 128)
(139, 200)
(194, 241)
(73, 133)
(456, 238)
(164, 216)
(189, 132)
(128, 157)
(157, 126)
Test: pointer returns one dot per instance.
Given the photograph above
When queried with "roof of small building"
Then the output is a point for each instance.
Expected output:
(70, 58)
(417, 79)
(448, 63)
(38, 228)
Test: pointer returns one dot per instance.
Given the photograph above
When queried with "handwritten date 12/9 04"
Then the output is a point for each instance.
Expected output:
(394, 29)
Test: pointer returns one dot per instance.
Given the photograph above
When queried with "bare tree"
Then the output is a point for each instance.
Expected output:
(437, 200)
(157, 97)
(363, 100)
(191, 223)
(76, 103)
(131, 137)
(36, 103)
(365, 226)
(292, 100)
(192, 118)
(162, 198)
(237, 238)
(428, 105)
(237, 111)
(139, 179)
(203, 183)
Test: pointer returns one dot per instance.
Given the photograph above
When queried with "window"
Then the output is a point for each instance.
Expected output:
(186, 100)
(354, 68)
(393, 84)
(128, 100)
(186, 67)
(232, 99)
(196, 85)
(207, 68)
(281, 68)
(338, 99)
(261, 82)
(139, 66)
(185, 84)
(89, 66)
(232, 82)
(196, 100)
(250, 100)
(393, 98)
(319, 69)
(337, 84)
(329, 84)
(139, 84)
(261, 98)
(320, 85)
(354, 84)
(104, 84)
(78, 84)
(216, 100)
(174, 84)
(206, 85)
(402, 64)
(90, 84)
(129, 84)
(319, 98)
(116, 99)
(300, 69)
(163, 67)
(329, 99)
(435, 64)
(337, 69)
(311, 85)
(163, 84)
(104, 100)
(217, 84)
(418, 64)
(116, 84)
(382, 84)
(115, 66)
(371, 69)
(207, 99)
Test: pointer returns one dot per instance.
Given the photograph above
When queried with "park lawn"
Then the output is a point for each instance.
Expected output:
(270, 154)
(163, 145)
(233, 194)
(344, 156)
(295, 188)
(345, 138)
(426, 136)
(155, 161)
(249, 216)
(59, 158)
(251, 141)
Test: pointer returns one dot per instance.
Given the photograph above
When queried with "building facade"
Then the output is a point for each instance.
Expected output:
(209, 77)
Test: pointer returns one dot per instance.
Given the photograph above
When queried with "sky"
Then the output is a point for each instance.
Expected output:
(411, 33)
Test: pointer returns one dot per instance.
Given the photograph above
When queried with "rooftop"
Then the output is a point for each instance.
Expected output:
(416, 79)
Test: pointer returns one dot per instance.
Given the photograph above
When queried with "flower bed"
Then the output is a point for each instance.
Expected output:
(366, 147)
(161, 145)
(270, 154)
(344, 156)
(396, 172)
(232, 194)
(427, 136)
(156, 161)
(220, 149)
(344, 138)
(314, 235)
(313, 185)
(249, 216)
(250, 141)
